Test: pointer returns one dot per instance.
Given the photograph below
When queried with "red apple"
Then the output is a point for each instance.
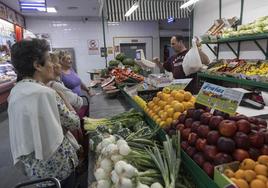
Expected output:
(205, 118)
(200, 144)
(180, 127)
(219, 113)
(195, 126)
(243, 126)
(182, 118)
(254, 153)
(253, 120)
(240, 155)
(215, 121)
(185, 133)
(254, 127)
(191, 151)
(190, 113)
(184, 145)
(262, 122)
(203, 131)
(226, 145)
(238, 117)
(209, 169)
(188, 122)
(227, 128)
(213, 137)
(192, 139)
(264, 150)
(199, 158)
(265, 134)
(256, 139)
(222, 158)
(210, 152)
(197, 114)
(242, 140)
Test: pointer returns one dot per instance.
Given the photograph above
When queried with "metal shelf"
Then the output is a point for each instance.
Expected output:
(244, 82)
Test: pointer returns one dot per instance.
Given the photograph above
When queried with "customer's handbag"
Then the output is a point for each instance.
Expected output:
(192, 62)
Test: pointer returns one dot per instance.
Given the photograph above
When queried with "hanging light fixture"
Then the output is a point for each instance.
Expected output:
(188, 3)
(132, 9)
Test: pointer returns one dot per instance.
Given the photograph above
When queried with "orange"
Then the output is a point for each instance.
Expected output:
(250, 175)
(187, 96)
(164, 116)
(156, 100)
(166, 90)
(239, 174)
(229, 173)
(159, 94)
(181, 91)
(170, 100)
(167, 107)
(193, 99)
(261, 169)
(179, 97)
(160, 112)
(178, 107)
(241, 183)
(169, 121)
(165, 97)
(176, 115)
(266, 184)
(262, 178)
(263, 159)
(163, 124)
(157, 109)
(170, 112)
(187, 105)
(155, 117)
(150, 104)
(162, 104)
(158, 121)
(257, 184)
(173, 93)
(233, 180)
(247, 164)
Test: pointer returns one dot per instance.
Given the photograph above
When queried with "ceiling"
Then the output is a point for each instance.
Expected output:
(87, 8)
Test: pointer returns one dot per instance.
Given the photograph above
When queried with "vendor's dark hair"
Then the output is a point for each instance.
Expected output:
(179, 38)
(25, 52)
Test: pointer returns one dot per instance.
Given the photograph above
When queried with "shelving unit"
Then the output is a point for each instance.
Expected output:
(253, 38)
(242, 82)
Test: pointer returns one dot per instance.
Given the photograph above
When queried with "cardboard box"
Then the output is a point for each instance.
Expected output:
(220, 179)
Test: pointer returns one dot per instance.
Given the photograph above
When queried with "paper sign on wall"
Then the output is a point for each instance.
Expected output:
(219, 98)
(93, 47)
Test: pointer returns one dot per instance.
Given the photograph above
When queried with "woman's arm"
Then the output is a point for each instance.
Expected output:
(85, 88)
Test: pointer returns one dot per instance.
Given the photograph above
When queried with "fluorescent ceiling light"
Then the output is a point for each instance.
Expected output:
(188, 3)
(132, 9)
(51, 10)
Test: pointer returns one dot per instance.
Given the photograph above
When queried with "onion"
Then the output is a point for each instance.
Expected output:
(121, 142)
(124, 149)
(116, 158)
(125, 183)
(156, 185)
(114, 177)
(106, 165)
(129, 171)
(100, 174)
(140, 185)
(103, 184)
(120, 167)
(112, 149)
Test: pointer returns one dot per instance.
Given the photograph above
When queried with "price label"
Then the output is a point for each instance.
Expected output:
(219, 98)
(178, 84)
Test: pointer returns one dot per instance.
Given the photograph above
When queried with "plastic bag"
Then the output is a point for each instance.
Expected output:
(192, 62)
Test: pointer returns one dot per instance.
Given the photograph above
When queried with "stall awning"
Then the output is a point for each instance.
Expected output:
(148, 10)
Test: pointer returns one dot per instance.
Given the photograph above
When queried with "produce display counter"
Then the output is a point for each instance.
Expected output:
(201, 179)
(242, 82)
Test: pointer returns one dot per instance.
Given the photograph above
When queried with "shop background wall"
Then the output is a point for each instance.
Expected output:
(74, 33)
(206, 11)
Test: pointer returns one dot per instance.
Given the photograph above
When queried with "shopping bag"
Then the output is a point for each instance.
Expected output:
(192, 62)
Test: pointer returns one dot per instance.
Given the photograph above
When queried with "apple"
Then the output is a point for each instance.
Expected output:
(205, 118)
(262, 122)
(199, 158)
(188, 122)
(227, 128)
(182, 118)
(253, 120)
(256, 139)
(184, 145)
(197, 114)
(238, 117)
(215, 121)
(190, 113)
(254, 127)
(240, 155)
(226, 145)
(209, 169)
(180, 127)
(195, 126)
(203, 131)
(242, 140)
(264, 150)
(222, 158)
(200, 144)
(210, 152)
(254, 153)
(213, 137)
(185, 133)
(192, 139)
(243, 126)
(265, 134)
(219, 113)
(191, 151)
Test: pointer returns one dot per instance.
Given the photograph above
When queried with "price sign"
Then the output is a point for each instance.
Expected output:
(176, 84)
(219, 98)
